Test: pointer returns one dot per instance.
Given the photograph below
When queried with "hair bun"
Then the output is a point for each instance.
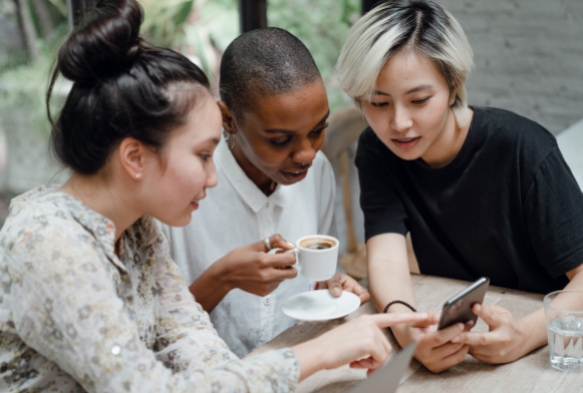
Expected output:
(104, 44)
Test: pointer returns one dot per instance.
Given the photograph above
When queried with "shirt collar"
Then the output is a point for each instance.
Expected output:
(247, 190)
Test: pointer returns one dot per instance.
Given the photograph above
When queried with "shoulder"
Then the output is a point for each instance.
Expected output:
(46, 240)
(516, 140)
(509, 127)
(321, 171)
(41, 217)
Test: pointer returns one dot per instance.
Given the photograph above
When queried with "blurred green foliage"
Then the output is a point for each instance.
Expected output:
(164, 20)
(195, 27)
(23, 84)
(322, 25)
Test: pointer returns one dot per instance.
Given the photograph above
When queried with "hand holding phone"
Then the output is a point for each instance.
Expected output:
(459, 307)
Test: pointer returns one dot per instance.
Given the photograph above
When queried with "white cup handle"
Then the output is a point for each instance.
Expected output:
(297, 264)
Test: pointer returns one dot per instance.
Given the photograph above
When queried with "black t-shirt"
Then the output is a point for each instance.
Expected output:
(506, 207)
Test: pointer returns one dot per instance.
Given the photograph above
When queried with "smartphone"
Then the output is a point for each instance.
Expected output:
(459, 307)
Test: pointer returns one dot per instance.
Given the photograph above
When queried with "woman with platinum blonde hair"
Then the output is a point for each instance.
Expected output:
(476, 187)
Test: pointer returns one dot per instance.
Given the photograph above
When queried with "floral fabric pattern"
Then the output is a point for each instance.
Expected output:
(75, 316)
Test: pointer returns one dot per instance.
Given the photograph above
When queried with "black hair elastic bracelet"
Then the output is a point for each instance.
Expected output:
(389, 304)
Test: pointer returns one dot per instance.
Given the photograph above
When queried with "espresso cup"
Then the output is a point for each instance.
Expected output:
(316, 256)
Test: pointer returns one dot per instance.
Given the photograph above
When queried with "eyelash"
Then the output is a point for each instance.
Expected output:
(382, 104)
(280, 143)
(421, 101)
(205, 157)
(314, 134)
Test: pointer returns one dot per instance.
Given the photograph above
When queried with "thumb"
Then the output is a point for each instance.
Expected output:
(277, 241)
(488, 314)
(274, 241)
(335, 285)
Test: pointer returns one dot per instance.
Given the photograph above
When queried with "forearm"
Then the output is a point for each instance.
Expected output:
(210, 288)
(389, 278)
(535, 324)
(393, 283)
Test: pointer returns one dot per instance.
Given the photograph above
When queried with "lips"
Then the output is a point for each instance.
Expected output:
(194, 203)
(405, 143)
(295, 176)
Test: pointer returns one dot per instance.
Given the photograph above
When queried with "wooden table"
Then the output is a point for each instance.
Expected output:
(532, 373)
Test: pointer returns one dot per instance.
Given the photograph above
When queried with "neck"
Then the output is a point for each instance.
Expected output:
(449, 142)
(104, 198)
(260, 179)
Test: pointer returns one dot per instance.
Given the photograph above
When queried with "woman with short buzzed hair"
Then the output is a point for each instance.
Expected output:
(274, 187)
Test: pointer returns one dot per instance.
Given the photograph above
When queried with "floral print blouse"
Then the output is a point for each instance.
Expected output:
(75, 317)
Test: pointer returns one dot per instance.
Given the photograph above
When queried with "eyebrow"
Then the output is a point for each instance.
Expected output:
(284, 131)
(213, 141)
(413, 90)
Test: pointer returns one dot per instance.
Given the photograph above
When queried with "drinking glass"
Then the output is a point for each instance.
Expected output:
(564, 316)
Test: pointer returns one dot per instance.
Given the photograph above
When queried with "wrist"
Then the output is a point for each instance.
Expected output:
(310, 358)
(532, 332)
(220, 273)
(399, 303)
(215, 277)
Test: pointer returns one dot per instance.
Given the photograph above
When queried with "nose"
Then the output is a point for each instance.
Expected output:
(306, 152)
(401, 120)
(211, 175)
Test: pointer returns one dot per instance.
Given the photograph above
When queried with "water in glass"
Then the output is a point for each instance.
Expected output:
(566, 343)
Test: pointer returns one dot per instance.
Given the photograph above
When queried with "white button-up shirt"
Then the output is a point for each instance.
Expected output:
(237, 213)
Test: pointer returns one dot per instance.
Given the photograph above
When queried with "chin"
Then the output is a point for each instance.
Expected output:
(406, 156)
(181, 221)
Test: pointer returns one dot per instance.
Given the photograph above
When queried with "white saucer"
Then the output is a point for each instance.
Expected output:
(320, 305)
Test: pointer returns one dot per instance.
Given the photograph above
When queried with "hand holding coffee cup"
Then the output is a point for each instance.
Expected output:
(316, 256)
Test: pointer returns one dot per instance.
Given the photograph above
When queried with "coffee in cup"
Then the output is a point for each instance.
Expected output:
(317, 243)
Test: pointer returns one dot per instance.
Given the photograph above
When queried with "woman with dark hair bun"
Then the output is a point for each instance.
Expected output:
(91, 300)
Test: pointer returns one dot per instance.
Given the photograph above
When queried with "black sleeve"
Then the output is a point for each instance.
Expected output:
(383, 209)
(553, 209)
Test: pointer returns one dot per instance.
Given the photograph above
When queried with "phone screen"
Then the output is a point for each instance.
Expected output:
(459, 307)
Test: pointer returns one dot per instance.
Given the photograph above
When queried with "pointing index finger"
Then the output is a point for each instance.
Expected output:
(386, 320)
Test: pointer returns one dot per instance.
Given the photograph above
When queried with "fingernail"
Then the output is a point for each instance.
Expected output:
(460, 326)
(478, 307)
(456, 339)
(337, 291)
(289, 244)
(357, 289)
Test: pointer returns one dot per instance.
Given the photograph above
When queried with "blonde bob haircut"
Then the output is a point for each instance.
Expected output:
(420, 25)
